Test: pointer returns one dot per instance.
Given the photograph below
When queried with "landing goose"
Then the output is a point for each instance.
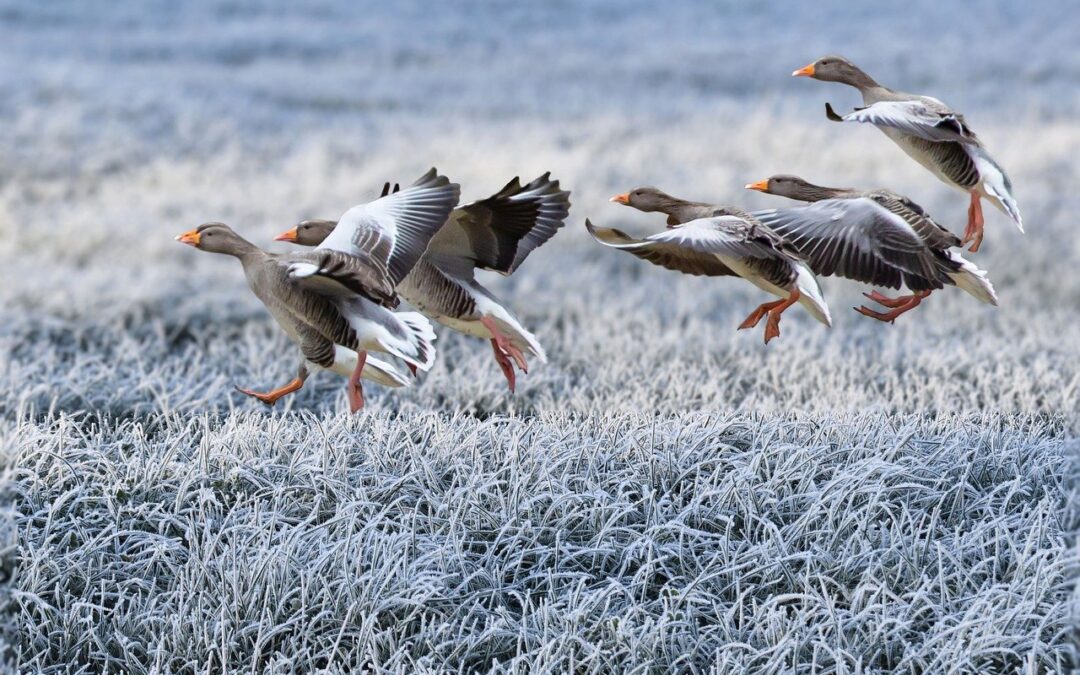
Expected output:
(678, 211)
(931, 133)
(315, 323)
(732, 244)
(351, 279)
(874, 236)
(496, 234)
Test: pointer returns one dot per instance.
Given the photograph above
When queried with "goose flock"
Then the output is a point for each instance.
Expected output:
(337, 299)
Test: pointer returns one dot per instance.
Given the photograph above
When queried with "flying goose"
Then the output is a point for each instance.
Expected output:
(874, 236)
(350, 279)
(930, 133)
(496, 234)
(326, 339)
(678, 211)
(730, 243)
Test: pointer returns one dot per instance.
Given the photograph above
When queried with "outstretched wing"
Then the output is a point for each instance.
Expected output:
(693, 248)
(926, 118)
(394, 230)
(855, 239)
(499, 232)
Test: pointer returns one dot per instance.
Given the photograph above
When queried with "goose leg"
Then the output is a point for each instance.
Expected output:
(504, 364)
(356, 389)
(893, 303)
(909, 303)
(974, 231)
(504, 344)
(772, 326)
(271, 397)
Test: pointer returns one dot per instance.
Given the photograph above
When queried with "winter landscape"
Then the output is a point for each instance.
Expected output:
(667, 493)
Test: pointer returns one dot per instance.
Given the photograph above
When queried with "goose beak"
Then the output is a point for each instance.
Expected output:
(290, 236)
(805, 71)
(190, 238)
(624, 198)
(760, 186)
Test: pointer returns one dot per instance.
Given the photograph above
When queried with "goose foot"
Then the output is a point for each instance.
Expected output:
(974, 231)
(899, 305)
(504, 364)
(504, 351)
(355, 388)
(893, 303)
(271, 397)
(758, 314)
(774, 310)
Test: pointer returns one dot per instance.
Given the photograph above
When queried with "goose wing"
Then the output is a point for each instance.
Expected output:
(854, 238)
(387, 236)
(695, 247)
(923, 117)
(499, 232)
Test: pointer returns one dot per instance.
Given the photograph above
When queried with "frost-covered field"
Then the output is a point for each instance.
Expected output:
(667, 493)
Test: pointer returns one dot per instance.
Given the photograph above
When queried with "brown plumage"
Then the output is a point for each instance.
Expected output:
(497, 234)
(314, 322)
(931, 133)
(873, 236)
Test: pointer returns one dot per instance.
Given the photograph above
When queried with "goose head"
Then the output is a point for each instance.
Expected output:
(308, 232)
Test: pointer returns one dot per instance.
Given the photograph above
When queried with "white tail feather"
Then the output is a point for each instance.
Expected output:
(810, 295)
(972, 280)
(525, 341)
(421, 337)
(995, 185)
(375, 369)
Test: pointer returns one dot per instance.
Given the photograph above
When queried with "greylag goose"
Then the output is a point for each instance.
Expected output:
(350, 279)
(929, 132)
(730, 243)
(497, 234)
(678, 211)
(308, 318)
(874, 236)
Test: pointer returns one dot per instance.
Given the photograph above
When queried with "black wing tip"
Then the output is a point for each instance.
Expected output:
(831, 114)
(432, 178)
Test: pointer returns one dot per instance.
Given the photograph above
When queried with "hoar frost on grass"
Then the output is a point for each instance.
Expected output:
(724, 542)
(666, 493)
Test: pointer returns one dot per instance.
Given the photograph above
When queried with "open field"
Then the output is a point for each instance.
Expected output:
(667, 493)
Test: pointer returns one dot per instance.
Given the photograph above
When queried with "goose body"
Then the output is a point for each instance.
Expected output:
(495, 234)
(338, 298)
(932, 134)
(733, 244)
(317, 324)
(873, 236)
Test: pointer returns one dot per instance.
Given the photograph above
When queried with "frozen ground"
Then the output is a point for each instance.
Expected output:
(666, 493)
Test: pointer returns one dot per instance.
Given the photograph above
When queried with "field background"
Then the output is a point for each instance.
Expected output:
(666, 493)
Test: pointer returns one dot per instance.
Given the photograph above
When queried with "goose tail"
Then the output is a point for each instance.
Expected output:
(421, 338)
(972, 280)
(810, 294)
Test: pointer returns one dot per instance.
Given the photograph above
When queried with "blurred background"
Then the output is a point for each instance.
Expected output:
(122, 125)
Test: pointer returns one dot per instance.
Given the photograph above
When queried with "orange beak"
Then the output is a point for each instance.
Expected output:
(624, 198)
(760, 186)
(190, 238)
(291, 235)
(805, 71)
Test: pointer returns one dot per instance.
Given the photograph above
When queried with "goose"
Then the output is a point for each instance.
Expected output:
(874, 236)
(497, 234)
(312, 321)
(932, 134)
(350, 279)
(729, 243)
